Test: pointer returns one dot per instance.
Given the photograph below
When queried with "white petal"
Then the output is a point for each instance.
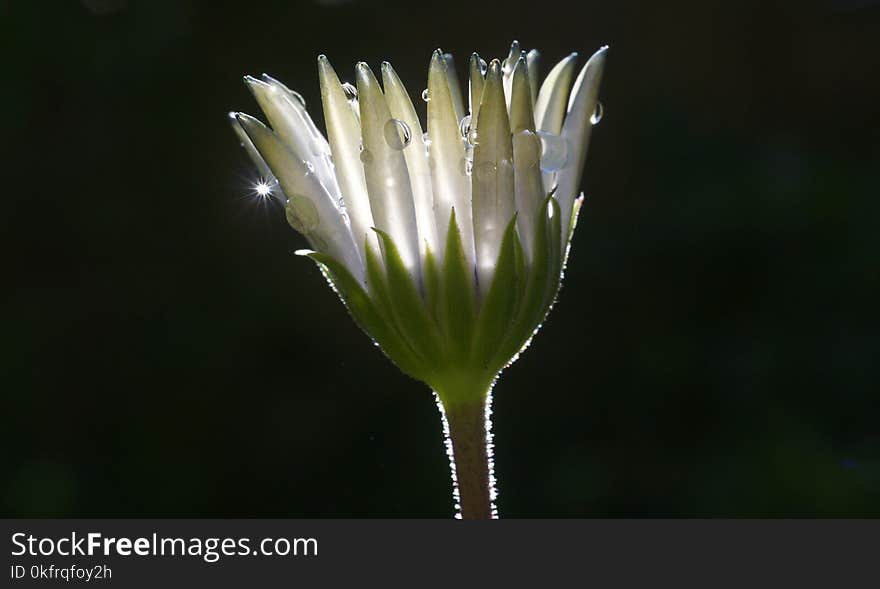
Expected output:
(322, 156)
(533, 59)
(576, 132)
(454, 86)
(416, 155)
(553, 97)
(286, 116)
(318, 217)
(476, 80)
(528, 188)
(507, 66)
(387, 177)
(452, 186)
(251, 149)
(344, 133)
(492, 176)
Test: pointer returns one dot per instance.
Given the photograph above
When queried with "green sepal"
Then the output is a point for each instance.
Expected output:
(532, 307)
(407, 304)
(575, 214)
(431, 274)
(377, 283)
(457, 307)
(367, 315)
(499, 304)
(554, 237)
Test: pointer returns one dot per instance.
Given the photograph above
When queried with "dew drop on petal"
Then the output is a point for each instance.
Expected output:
(351, 91)
(366, 156)
(397, 134)
(425, 96)
(310, 167)
(468, 131)
(597, 113)
(301, 214)
(466, 166)
(263, 188)
(554, 151)
(465, 126)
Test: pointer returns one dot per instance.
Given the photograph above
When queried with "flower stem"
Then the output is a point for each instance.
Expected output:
(468, 444)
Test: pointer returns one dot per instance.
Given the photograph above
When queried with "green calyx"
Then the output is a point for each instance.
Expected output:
(445, 331)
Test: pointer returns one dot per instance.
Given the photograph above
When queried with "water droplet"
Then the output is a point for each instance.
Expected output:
(425, 96)
(310, 167)
(366, 156)
(527, 148)
(485, 171)
(597, 113)
(343, 210)
(397, 134)
(301, 214)
(554, 151)
(466, 166)
(351, 92)
(465, 126)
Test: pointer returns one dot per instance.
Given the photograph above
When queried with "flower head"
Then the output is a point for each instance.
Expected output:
(446, 246)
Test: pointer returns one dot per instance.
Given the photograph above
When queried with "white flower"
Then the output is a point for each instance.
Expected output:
(447, 246)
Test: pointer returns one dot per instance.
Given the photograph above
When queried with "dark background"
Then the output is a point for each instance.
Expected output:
(713, 351)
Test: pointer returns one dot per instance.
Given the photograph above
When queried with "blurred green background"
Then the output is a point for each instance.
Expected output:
(713, 351)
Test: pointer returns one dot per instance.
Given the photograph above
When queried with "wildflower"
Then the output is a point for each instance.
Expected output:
(446, 246)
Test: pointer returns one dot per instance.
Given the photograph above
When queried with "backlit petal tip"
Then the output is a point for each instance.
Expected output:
(476, 79)
(514, 52)
(577, 128)
(249, 148)
(292, 125)
(250, 81)
(317, 145)
(552, 100)
(590, 75)
(454, 86)
(521, 114)
(280, 85)
(533, 59)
